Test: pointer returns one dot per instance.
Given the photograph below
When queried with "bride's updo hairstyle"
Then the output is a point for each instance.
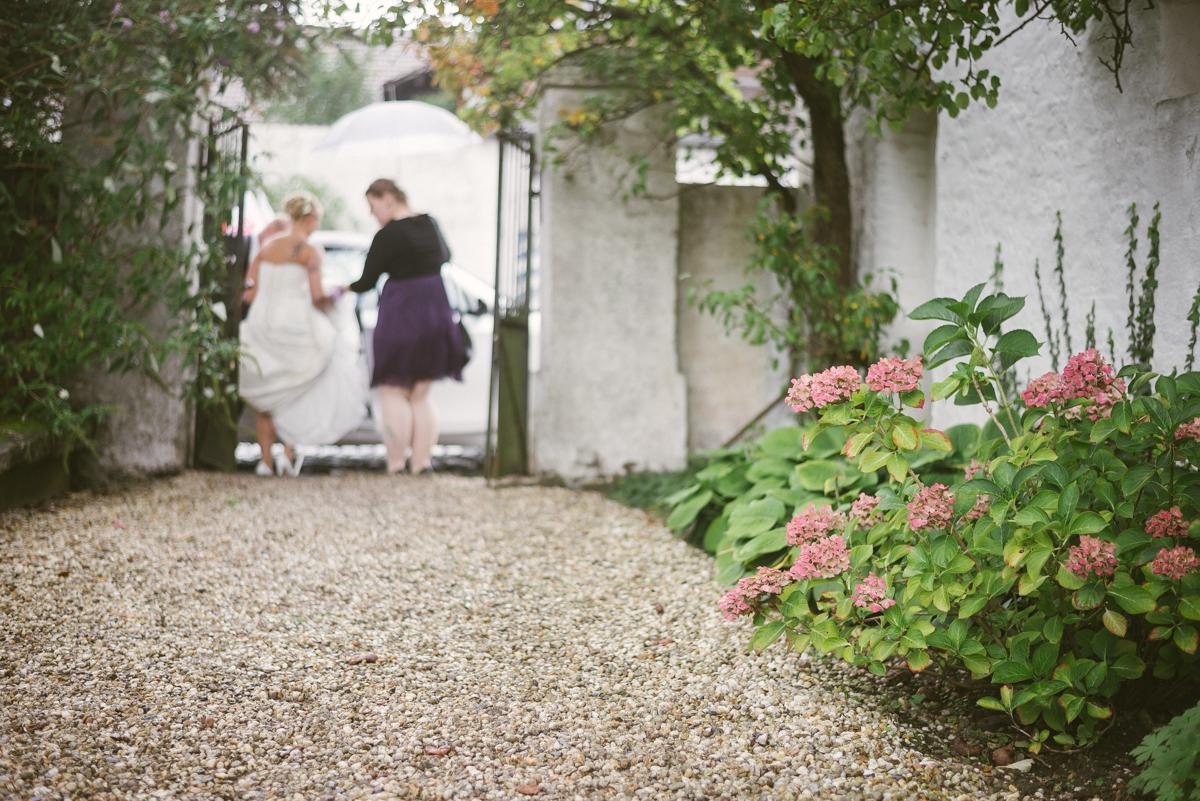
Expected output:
(384, 187)
(302, 204)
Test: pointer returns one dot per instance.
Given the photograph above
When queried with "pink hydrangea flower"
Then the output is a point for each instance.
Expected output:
(1091, 557)
(1088, 375)
(1167, 524)
(872, 594)
(931, 508)
(253, 27)
(823, 558)
(894, 375)
(814, 523)
(831, 386)
(974, 469)
(743, 598)
(1041, 391)
(1175, 563)
(1189, 430)
(865, 510)
(983, 505)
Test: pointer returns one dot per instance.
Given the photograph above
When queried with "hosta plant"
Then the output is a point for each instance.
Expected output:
(1057, 572)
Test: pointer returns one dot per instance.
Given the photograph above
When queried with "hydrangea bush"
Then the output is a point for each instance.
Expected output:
(1057, 567)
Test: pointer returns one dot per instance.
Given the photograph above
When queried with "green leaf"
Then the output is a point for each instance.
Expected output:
(1102, 429)
(766, 635)
(873, 461)
(981, 486)
(1115, 622)
(1072, 705)
(1135, 478)
(938, 441)
(859, 554)
(944, 389)
(1018, 342)
(897, 466)
(918, 660)
(988, 702)
(936, 309)
(1121, 416)
(1009, 672)
(1128, 666)
(1089, 596)
(906, 437)
(1044, 659)
(942, 335)
(1086, 523)
(759, 544)
(1186, 637)
(1053, 630)
(684, 514)
(855, 444)
(1133, 598)
(1189, 607)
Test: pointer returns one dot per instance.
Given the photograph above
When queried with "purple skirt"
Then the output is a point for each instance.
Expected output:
(416, 338)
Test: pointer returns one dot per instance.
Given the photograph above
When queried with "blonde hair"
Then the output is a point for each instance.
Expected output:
(302, 204)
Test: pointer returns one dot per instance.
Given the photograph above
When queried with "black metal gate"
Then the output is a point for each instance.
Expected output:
(223, 178)
(516, 266)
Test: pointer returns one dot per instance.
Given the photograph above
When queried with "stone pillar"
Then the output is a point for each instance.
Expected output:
(608, 395)
(149, 432)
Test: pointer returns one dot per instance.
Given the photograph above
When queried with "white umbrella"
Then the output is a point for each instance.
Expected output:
(402, 127)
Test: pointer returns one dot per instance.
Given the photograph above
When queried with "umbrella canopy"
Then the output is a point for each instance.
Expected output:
(402, 127)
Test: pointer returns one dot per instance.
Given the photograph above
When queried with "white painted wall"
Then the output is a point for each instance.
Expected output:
(729, 381)
(458, 188)
(609, 395)
(1061, 139)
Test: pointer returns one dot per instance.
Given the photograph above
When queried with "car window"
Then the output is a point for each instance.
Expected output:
(343, 265)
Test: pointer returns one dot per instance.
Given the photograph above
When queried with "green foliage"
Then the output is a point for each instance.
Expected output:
(1172, 759)
(984, 596)
(1141, 312)
(331, 85)
(99, 105)
(812, 314)
(649, 489)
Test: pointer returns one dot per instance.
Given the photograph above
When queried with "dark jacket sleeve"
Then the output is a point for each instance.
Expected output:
(376, 263)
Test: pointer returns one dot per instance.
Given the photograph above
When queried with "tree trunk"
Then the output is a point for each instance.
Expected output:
(830, 177)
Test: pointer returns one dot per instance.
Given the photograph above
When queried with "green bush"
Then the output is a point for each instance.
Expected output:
(1172, 758)
(1059, 572)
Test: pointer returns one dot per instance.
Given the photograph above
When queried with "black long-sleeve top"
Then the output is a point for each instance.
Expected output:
(411, 247)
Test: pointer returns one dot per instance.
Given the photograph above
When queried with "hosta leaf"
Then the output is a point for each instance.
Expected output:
(684, 514)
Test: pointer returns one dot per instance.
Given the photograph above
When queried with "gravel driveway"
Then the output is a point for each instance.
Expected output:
(191, 638)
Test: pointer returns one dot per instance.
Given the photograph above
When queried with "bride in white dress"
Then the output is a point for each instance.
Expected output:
(300, 369)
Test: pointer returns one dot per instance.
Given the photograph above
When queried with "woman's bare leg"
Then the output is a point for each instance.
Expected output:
(264, 429)
(397, 425)
(425, 426)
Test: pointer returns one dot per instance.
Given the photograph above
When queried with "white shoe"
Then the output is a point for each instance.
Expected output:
(283, 465)
(296, 465)
(263, 469)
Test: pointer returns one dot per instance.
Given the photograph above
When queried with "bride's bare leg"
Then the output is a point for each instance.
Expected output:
(397, 425)
(264, 429)
(425, 426)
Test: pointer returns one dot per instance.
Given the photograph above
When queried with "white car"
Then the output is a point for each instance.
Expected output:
(462, 407)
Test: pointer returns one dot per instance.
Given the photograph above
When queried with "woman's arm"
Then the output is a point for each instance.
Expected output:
(375, 264)
(251, 283)
(312, 262)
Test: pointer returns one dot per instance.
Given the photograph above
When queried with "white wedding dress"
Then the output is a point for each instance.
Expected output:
(300, 364)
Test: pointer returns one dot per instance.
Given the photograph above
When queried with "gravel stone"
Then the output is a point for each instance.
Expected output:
(192, 638)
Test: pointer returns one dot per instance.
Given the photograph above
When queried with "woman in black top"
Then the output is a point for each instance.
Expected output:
(416, 340)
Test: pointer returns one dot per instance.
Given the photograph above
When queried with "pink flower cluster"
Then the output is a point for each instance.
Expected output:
(1088, 376)
(894, 375)
(1189, 430)
(1091, 557)
(742, 599)
(865, 510)
(872, 594)
(983, 505)
(1175, 563)
(974, 469)
(823, 558)
(1167, 524)
(931, 508)
(814, 523)
(1042, 391)
(831, 386)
